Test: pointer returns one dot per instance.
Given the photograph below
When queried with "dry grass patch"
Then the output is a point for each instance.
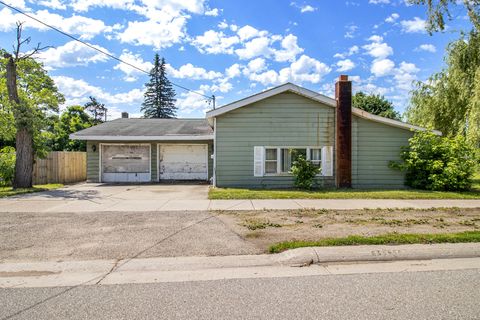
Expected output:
(265, 228)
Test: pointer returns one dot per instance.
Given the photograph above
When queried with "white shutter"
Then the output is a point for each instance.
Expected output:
(327, 161)
(258, 161)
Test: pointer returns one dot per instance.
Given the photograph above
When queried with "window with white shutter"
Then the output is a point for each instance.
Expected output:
(258, 161)
(327, 161)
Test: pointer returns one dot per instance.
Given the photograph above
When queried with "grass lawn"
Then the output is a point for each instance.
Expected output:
(8, 191)
(234, 193)
(386, 239)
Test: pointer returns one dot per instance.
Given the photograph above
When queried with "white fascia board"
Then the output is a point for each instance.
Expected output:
(391, 122)
(142, 138)
(270, 93)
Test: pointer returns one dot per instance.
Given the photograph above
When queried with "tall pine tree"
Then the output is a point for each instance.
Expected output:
(159, 99)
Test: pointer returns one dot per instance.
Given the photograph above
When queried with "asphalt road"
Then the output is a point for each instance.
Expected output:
(405, 295)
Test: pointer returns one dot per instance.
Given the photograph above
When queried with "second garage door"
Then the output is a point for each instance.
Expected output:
(183, 161)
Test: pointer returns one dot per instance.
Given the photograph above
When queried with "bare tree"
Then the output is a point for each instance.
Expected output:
(21, 113)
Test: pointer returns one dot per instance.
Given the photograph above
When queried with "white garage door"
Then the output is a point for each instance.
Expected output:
(183, 162)
(126, 163)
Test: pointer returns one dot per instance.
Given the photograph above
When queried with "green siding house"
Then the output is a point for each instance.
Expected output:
(253, 142)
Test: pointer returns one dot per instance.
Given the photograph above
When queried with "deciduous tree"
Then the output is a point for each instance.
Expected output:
(31, 95)
(375, 104)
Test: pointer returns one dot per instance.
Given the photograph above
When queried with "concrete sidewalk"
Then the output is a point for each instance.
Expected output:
(325, 260)
(34, 204)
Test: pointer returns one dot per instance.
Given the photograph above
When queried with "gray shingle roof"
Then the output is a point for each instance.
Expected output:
(130, 127)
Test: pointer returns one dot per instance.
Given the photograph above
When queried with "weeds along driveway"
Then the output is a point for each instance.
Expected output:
(115, 235)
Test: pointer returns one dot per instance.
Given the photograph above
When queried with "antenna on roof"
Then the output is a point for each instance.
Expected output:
(213, 101)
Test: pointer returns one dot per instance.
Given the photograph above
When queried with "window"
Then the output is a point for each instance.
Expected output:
(316, 157)
(271, 160)
(289, 156)
(278, 160)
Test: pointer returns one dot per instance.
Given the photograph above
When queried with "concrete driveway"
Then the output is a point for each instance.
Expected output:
(90, 197)
(55, 236)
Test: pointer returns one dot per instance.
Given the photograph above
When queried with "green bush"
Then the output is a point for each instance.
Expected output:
(304, 172)
(434, 162)
(7, 165)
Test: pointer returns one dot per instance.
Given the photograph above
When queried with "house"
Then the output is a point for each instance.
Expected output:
(253, 142)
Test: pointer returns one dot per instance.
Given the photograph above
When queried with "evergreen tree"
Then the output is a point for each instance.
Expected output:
(159, 101)
(96, 109)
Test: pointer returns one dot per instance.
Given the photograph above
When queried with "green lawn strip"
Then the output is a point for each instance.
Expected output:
(234, 193)
(9, 191)
(386, 239)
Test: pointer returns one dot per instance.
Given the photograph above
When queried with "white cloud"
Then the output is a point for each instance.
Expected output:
(254, 48)
(85, 27)
(392, 18)
(17, 3)
(305, 69)
(71, 54)
(255, 66)
(350, 33)
(159, 33)
(222, 25)
(131, 74)
(189, 71)
(304, 7)
(307, 8)
(289, 51)
(427, 47)
(382, 67)
(214, 42)
(189, 102)
(351, 51)
(405, 74)
(233, 71)
(53, 4)
(194, 6)
(377, 48)
(212, 12)
(77, 91)
(85, 5)
(416, 25)
(345, 65)
(248, 32)
(379, 1)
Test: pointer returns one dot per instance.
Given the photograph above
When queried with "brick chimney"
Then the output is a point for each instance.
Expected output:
(343, 132)
(124, 115)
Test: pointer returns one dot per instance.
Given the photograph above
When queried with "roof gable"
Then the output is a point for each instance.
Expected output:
(290, 87)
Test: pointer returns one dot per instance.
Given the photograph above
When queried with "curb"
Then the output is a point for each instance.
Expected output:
(318, 255)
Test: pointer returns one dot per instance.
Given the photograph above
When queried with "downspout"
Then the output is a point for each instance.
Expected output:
(215, 151)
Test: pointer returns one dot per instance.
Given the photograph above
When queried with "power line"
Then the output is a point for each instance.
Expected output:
(212, 98)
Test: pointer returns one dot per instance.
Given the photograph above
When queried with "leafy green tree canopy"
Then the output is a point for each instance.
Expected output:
(159, 98)
(450, 99)
(375, 104)
(39, 98)
(73, 119)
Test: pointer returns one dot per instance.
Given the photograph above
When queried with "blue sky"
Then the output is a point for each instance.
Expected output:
(232, 48)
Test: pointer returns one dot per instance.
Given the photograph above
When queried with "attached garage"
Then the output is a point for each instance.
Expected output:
(125, 163)
(183, 161)
(148, 150)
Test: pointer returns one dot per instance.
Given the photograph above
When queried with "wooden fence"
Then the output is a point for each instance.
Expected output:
(61, 167)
